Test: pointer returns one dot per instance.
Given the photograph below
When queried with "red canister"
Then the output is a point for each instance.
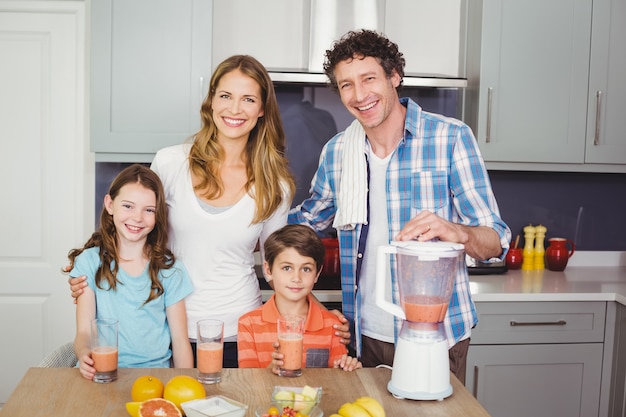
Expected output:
(331, 262)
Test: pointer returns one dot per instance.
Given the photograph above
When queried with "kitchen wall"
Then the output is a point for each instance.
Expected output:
(587, 208)
(584, 207)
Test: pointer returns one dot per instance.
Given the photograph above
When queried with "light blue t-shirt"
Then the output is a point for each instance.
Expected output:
(144, 334)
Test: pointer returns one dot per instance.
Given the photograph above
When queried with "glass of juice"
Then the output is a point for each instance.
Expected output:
(210, 350)
(104, 349)
(290, 335)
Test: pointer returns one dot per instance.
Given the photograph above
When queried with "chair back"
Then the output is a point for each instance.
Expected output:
(62, 357)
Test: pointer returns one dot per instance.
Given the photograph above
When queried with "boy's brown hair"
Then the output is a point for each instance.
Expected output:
(299, 237)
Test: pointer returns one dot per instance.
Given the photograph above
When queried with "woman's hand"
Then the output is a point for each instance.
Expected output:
(343, 329)
(76, 284)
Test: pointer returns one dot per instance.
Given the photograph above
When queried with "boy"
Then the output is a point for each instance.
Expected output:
(294, 256)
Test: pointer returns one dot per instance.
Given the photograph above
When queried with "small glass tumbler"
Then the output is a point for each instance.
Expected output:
(210, 350)
(290, 336)
(104, 349)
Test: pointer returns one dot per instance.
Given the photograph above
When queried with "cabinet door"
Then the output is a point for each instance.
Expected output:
(276, 32)
(536, 380)
(428, 34)
(606, 140)
(534, 68)
(150, 66)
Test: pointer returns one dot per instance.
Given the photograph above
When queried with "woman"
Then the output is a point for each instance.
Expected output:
(226, 190)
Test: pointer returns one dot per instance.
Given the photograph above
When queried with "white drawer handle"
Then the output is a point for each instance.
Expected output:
(538, 323)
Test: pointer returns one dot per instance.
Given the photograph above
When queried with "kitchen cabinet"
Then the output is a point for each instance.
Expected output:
(606, 124)
(273, 31)
(615, 367)
(150, 68)
(537, 358)
(428, 33)
(533, 70)
(302, 30)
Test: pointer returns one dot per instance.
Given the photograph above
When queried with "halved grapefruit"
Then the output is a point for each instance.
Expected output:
(158, 407)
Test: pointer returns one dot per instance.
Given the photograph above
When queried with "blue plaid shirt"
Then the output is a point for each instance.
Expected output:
(437, 166)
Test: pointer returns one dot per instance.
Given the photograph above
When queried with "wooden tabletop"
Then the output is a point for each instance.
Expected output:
(63, 392)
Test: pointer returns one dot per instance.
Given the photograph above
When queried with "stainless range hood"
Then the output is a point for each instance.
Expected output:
(409, 81)
(429, 64)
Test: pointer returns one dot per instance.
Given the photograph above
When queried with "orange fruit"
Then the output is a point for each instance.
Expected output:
(183, 388)
(146, 387)
(158, 407)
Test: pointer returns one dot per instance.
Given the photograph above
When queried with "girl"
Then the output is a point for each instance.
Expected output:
(133, 277)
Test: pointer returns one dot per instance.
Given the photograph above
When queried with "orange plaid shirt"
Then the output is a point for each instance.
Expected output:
(256, 335)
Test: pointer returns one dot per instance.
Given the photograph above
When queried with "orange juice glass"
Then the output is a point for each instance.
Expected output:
(210, 350)
(104, 349)
(290, 337)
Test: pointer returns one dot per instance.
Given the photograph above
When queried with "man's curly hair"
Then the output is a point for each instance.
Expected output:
(361, 44)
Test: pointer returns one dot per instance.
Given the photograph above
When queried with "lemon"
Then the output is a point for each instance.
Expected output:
(133, 408)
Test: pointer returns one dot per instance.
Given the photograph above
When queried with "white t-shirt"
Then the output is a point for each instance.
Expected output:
(375, 322)
(216, 248)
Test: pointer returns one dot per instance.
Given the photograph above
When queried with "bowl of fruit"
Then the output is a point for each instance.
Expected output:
(293, 402)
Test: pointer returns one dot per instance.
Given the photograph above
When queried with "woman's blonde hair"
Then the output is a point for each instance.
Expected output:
(267, 167)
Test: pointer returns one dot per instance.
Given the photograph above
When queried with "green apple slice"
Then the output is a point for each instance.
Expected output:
(284, 398)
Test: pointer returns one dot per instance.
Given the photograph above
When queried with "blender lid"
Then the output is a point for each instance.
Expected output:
(427, 249)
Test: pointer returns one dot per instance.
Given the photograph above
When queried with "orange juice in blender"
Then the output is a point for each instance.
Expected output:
(425, 273)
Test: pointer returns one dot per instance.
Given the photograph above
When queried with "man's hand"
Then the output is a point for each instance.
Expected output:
(342, 330)
(481, 242)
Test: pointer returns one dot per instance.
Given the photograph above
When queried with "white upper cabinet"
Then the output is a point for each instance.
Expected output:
(293, 35)
(272, 31)
(428, 33)
(533, 71)
(531, 79)
(606, 124)
(150, 67)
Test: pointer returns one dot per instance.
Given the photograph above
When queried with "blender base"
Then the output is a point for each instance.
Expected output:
(401, 394)
(421, 369)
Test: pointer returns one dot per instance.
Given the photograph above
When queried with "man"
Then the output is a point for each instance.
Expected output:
(397, 173)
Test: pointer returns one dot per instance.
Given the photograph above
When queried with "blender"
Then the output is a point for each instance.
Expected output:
(425, 273)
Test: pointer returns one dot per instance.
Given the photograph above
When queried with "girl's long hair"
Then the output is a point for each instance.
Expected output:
(267, 167)
(106, 237)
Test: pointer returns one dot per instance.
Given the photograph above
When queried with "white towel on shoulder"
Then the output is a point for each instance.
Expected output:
(352, 195)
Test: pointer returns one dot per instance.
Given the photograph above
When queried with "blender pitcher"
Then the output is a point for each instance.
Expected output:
(425, 273)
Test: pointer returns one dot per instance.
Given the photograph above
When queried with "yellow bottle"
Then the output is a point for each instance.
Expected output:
(540, 251)
(529, 248)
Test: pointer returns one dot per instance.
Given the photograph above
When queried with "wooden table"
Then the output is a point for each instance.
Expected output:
(63, 392)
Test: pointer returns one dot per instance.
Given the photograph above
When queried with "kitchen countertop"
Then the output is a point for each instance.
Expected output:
(589, 276)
